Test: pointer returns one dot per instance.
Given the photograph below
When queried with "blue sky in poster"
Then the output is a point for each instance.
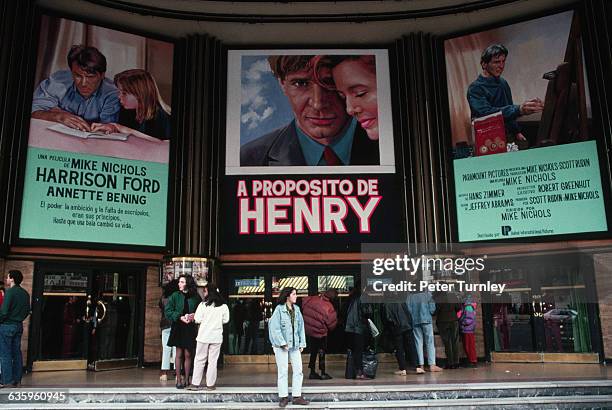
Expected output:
(263, 107)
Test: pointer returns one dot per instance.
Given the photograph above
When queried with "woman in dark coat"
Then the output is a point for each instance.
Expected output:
(179, 311)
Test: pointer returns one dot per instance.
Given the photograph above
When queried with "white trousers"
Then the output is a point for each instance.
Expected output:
(206, 352)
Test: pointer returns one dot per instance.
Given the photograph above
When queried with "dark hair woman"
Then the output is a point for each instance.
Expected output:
(180, 311)
(212, 314)
(288, 339)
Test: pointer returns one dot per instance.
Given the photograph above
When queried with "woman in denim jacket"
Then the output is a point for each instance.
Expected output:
(288, 339)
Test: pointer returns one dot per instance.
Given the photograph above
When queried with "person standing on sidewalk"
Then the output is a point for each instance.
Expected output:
(467, 323)
(180, 311)
(320, 318)
(168, 353)
(211, 315)
(400, 321)
(421, 307)
(357, 328)
(288, 339)
(448, 305)
(15, 309)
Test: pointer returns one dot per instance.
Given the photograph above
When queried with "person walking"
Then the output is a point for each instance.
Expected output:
(467, 324)
(398, 317)
(168, 353)
(15, 309)
(448, 305)
(422, 306)
(212, 313)
(288, 339)
(320, 318)
(180, 311)
(357, 328)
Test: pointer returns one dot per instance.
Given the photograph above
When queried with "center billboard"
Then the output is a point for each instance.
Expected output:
(309, 159)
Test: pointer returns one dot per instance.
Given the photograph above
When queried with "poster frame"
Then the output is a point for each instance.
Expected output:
(593, 84)
(398, 137)
(23, 137)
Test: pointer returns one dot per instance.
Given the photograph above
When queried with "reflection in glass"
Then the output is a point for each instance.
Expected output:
(247, 312)
(513, 321)
(63, 310)
(115, 319)
(336, 342)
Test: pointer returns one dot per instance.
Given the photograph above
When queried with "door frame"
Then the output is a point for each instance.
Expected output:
(44, 266)
(586, 266)
(33, 363)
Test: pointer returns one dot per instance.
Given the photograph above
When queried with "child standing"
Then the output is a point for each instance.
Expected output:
(467, 326)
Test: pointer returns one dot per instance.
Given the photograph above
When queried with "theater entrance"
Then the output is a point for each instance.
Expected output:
(252, 299)
(547, 313)
(86, 318)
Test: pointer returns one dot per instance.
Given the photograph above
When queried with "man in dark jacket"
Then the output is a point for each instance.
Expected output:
(448, 326)
(320, 318)
(15, 308)
(356, 326)
(399, 320)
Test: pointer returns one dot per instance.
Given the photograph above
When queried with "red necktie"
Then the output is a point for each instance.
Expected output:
(330, 156)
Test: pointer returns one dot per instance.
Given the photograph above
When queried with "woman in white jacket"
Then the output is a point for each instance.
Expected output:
(212, 313)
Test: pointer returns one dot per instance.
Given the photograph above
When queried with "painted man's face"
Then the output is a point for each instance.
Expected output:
(85, 82)
(320, 113)
(495, 67)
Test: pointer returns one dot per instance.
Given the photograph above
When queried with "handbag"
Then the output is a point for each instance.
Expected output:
(349, 372)
(373, 329)
(370, 363)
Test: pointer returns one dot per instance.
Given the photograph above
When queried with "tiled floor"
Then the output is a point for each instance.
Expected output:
(265, 375)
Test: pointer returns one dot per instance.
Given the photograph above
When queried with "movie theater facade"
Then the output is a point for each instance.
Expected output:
(280, 140)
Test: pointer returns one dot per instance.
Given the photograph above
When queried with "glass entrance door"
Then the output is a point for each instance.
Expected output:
(115, 321)
(336, 340)
(252, 299)
(60, 315)
(85, 318)
(246, 301)
(544, 307)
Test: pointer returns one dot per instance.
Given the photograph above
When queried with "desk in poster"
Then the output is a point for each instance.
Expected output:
(133, 148)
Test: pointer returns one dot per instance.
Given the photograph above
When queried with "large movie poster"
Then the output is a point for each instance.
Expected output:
(98, 148)
(525, 157)
(309, 150)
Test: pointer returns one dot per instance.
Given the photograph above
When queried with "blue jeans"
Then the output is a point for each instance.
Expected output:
(283, 357)
(168, 353)
(423, 334)
(11, 361)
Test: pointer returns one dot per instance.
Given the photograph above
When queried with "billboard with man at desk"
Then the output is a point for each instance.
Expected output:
(97, 164)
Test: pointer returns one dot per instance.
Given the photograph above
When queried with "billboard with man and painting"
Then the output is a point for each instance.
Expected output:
(525, 155)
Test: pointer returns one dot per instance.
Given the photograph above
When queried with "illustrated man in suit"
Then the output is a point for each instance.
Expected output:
(321, 133)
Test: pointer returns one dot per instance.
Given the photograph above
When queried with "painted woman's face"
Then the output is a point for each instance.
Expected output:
(356, 83)
(128, 101)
